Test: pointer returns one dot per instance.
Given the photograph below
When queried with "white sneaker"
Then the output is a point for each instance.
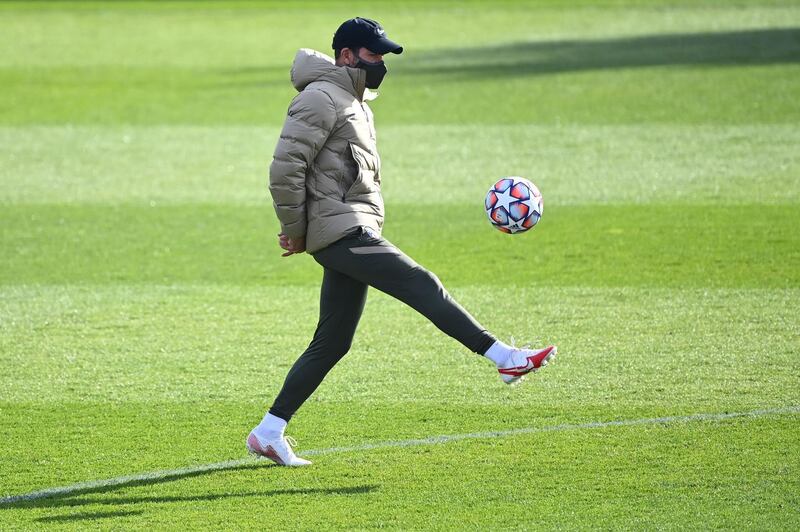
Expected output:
(523, 361)
(279, 450)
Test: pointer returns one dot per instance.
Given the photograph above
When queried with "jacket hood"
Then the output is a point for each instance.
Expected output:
(310, 65)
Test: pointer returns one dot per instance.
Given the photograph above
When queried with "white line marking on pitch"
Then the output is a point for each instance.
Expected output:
(94, 485)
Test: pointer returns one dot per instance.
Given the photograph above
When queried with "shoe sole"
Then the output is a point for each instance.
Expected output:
(517, 379)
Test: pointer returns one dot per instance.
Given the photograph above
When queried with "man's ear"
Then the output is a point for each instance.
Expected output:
(349, 56)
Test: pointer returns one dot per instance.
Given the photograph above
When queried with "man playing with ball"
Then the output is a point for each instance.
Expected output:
(325, 185)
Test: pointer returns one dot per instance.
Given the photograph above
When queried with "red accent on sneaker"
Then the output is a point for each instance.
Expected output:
(254, 446)
(515, 372)
(540, 357)
(534, 362)
(270, 453)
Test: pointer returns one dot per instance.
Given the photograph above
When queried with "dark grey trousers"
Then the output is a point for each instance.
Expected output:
(353, 264)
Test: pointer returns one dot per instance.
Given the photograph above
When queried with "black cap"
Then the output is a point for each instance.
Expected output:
(364, 33)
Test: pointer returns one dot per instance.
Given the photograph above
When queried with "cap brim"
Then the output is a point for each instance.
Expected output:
(382, 45)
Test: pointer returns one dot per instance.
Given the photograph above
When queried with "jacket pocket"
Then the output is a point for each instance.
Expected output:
(367, 180)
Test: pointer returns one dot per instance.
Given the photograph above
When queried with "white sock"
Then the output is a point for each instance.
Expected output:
(271, 427)
(498, 353)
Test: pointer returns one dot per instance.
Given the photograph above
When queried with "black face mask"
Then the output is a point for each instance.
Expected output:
(375, 72)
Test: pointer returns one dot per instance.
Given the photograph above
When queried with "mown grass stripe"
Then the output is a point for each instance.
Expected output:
(675, 246)
(175, 474)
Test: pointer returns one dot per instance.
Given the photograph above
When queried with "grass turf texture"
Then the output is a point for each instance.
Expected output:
(146, 319)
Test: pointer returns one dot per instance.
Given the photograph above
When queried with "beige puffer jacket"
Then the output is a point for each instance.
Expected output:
(325, 173)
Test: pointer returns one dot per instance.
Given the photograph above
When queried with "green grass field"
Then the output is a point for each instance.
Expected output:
(147, 319)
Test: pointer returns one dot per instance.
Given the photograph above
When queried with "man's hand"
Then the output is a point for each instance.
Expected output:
(291, 245)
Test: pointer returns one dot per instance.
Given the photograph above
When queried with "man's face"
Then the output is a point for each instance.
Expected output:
(364, 54)
(369, 57)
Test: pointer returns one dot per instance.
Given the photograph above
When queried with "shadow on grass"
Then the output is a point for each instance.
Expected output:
(73, 501)
(87, 516)
(45, 498)
(752, 47)
(745, 47)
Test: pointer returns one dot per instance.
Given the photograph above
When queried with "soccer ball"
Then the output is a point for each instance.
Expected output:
(514, 205)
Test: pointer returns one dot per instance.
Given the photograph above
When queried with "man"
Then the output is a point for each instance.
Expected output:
(325, 184)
